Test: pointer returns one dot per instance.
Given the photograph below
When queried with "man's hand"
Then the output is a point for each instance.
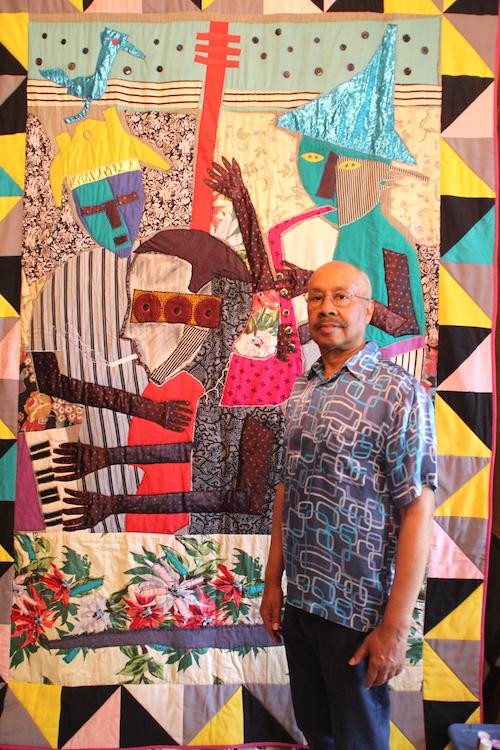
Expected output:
(385, 649)
(270, 610)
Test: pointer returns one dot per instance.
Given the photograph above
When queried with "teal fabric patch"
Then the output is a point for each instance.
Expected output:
(362, 244)
(477, 245)
(99, 226)
(8, 463)
(8, 187)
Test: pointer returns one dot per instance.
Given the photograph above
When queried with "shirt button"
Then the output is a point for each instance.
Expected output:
(291, 347)
(279, 276)
(288, 330)
(286, 313)
(284, 292)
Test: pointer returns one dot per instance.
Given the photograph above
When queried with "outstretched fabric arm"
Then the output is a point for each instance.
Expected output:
(172, 415)
(228, 180)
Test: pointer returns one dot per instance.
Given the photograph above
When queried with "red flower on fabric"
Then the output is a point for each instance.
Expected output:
(202, 614)
(56, 583)
(31, 616)
(143, 612)
(226, 582)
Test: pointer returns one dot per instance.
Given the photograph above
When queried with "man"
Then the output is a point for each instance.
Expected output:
(356, 501)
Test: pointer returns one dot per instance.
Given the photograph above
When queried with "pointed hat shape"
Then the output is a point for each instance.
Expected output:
(358, 114)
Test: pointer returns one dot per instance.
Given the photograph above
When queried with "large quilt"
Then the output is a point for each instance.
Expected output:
(170, 175)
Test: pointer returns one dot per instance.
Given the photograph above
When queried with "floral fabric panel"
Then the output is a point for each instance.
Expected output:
(68, 601)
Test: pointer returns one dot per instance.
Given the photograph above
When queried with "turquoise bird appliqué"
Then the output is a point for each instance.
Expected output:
(93, 86)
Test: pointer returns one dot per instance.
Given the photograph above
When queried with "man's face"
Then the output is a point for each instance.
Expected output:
(334, 327)
(156, 340)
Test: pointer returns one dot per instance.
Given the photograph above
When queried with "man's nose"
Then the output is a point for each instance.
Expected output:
(328, 306)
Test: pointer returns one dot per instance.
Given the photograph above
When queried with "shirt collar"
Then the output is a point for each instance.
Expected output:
(360, 364)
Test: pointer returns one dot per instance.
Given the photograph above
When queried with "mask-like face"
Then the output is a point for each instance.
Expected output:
(165, 320)
(346, 180)
(111, 210)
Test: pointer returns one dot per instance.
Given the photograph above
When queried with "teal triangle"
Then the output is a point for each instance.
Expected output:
(8, 187)
(8, 464)
(477, 245)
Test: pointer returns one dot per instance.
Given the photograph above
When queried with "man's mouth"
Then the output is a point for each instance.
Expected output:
(329, 324)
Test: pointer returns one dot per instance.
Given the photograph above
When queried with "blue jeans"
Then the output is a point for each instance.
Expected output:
(332, 707)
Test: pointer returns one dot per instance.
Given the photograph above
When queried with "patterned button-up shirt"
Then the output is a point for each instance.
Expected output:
(358, 446)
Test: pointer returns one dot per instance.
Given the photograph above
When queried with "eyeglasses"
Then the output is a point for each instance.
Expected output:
(339, 299)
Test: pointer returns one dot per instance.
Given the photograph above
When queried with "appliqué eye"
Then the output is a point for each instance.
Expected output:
(350, 165)
(312, 157)
(177, 310)
(147, 308)
(207, 313)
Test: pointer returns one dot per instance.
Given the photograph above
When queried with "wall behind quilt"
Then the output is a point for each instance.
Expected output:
(153, 321)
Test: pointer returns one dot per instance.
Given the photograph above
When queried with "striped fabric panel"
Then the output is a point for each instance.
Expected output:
(168, 95)
(173, 95)
(405, 95)
(192, 339)
(413, 362)
(70, 317)
(353, 207)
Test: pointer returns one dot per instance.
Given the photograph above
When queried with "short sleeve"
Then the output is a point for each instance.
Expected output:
(411, 460)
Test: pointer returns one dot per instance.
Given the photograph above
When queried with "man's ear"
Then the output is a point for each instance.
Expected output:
(369, 310)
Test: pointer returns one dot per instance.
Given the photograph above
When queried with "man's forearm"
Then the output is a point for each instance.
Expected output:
(411, 560)
(275, 563)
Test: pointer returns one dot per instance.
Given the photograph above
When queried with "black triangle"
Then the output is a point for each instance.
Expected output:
(443, 596)
(5, 446)
(357, 6)
(13, 111)
(197, 3)
(477, 8)
(87, 4)
(9, 65)
(458, 93)
(438, 715)
(258, 724)
(3, 691)
(137, 727)
(4, 567)
(318, 3)
(456, 343)
(10, 284)
(78, 705)
(475, 409)
(458, 215)
(7, 526)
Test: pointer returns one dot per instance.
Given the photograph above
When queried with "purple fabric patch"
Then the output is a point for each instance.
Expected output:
(124, 184)
(27, 512)
(222, 636)
(403, 347)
